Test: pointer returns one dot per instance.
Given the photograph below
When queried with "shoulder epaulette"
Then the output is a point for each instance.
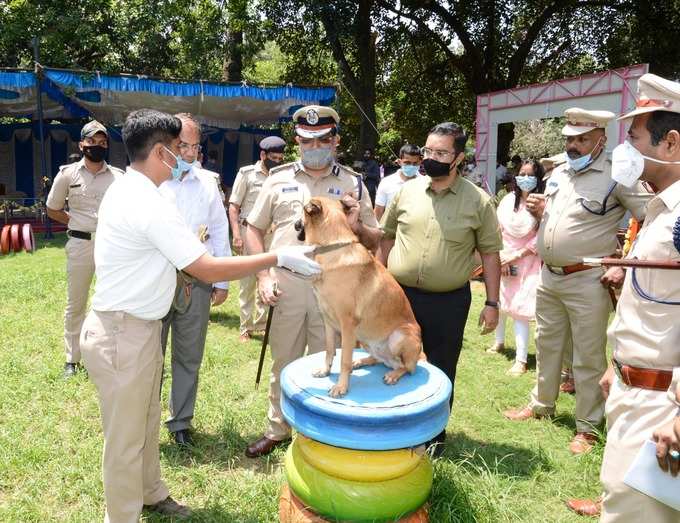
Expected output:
(283, 167)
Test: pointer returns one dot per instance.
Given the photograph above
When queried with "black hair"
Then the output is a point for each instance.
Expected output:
(145, 128)
(539, 173)
(409, 149)
(454, 130)
(660, 123)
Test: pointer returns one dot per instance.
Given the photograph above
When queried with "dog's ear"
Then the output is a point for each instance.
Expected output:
(313, 208)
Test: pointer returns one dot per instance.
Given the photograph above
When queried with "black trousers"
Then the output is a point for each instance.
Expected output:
(442, 317)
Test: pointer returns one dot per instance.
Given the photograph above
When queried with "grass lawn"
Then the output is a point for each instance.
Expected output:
(493, 470)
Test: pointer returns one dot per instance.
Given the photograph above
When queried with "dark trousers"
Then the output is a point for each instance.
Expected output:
(442, 317)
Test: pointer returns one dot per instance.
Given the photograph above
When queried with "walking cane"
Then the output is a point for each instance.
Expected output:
(265, 340)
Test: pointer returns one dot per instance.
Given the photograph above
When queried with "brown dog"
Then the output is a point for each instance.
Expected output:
(358, 298)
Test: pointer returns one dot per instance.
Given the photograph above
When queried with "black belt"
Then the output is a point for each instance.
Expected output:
(79, 234)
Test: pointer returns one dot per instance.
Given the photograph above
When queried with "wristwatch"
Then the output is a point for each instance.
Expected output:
(490, 303)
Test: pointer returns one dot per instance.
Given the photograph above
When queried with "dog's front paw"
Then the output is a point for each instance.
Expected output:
(321, 373)
(392, 377)
(337, 391)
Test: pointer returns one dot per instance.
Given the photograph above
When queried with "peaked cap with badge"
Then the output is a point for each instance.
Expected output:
(581, 121)
(655, 94)
(315, 121)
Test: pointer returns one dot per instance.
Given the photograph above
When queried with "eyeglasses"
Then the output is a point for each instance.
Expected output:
(437, 154)
(190, 146)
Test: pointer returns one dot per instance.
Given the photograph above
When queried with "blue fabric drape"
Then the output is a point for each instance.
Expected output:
(229, 161)
(58, 156)
(98, 81)
(23, 159)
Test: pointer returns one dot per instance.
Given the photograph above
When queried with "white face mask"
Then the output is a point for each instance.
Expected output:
(628, 164)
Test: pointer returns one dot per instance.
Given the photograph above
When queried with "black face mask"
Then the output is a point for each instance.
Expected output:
(94, 153)
(435, 169)
(270, 164)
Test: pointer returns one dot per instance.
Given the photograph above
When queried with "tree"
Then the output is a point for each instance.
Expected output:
(348, 33)
(497, 45)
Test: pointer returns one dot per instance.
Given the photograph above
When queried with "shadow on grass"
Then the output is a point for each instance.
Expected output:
(225, 319)
(510, 354)
(210, 514)
(449, 502)
(225, 450)
(498, 458)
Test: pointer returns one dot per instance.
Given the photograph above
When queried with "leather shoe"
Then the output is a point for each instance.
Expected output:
(70, 369)
(169, 507)
(568, 387)
(263, 446)
(522, 414)
(582, 443)
(183, 438)
(585, 507)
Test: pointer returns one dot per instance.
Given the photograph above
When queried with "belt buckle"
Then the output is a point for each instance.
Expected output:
(556, 270)
(617, 369)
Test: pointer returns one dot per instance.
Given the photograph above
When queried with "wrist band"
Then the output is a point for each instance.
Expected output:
(490, 303)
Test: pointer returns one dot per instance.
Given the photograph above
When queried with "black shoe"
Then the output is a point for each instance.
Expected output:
(70, 369)
(183, 438)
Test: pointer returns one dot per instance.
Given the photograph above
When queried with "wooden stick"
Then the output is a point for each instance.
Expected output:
(633, 262)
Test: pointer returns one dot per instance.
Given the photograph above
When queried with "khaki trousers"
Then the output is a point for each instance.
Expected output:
(122, 355)
(79, 273)
(249, 301)
(632, 416)
(297, 323)
(571, 310)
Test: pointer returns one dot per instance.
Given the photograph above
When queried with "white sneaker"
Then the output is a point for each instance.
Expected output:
(517, 369)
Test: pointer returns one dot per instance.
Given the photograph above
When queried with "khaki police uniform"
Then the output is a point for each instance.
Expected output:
(645, 333)
(247, 187)
(582, 213)
(84, 192)
(297, 322)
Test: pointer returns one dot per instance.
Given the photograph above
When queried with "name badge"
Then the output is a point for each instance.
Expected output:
(334, 191)
(289, 189)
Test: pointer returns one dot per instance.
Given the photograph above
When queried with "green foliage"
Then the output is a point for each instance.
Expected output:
(538, 138)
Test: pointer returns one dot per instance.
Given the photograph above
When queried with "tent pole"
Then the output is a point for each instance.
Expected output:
(43, 163)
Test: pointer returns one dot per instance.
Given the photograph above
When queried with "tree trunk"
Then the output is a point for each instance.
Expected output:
(233, 61)
(506, 133)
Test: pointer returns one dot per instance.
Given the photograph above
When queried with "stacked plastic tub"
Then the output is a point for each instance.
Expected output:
(360, 458)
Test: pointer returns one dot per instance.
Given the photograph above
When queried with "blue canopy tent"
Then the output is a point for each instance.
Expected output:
(231, 114)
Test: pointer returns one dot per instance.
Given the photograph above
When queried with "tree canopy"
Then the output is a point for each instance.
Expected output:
(401, 65)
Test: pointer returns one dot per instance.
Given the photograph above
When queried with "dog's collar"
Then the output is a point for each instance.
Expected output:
(332, 246)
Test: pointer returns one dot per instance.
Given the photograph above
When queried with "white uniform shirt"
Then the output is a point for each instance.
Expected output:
(389, 186)
(141, 238)
(198, 200)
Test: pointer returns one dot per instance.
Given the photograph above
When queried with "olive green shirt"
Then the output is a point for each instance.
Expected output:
(435, 234)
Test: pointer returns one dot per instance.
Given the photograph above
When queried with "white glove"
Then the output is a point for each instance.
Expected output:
(293, 258)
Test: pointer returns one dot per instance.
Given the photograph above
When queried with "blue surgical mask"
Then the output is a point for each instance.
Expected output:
(175, 171)
(580, 163)
(318, 158)
(410, 170)
(526, 183)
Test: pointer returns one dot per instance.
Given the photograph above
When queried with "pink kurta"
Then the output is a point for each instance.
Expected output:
(518, 293)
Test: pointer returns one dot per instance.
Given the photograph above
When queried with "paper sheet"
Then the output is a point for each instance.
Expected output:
(646, 476)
